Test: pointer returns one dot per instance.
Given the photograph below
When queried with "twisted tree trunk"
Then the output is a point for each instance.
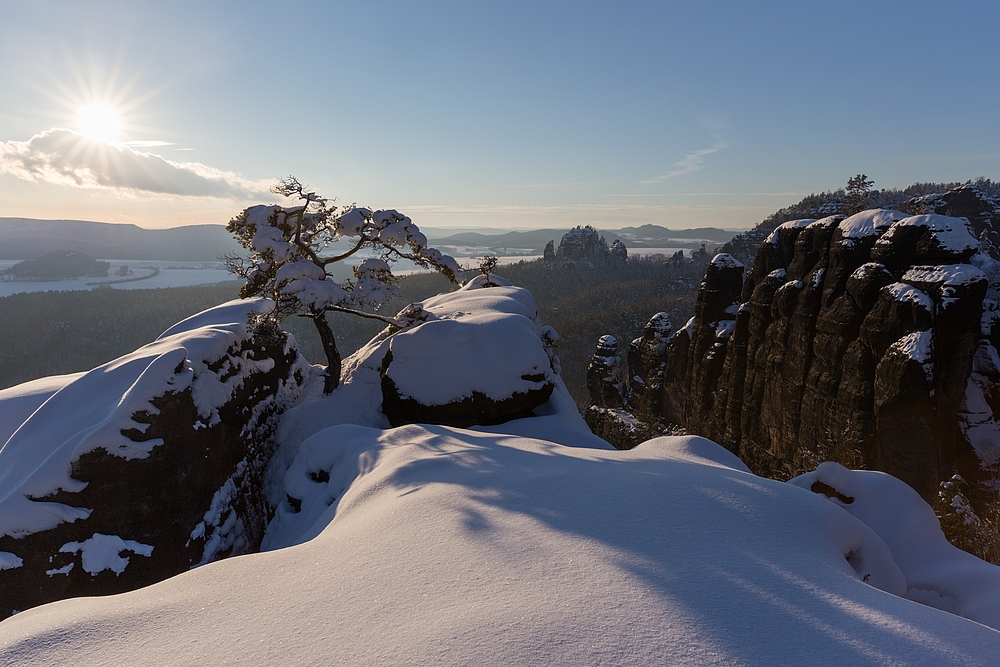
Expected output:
(332, 353)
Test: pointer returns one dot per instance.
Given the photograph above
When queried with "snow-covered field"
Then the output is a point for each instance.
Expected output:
(534, 542)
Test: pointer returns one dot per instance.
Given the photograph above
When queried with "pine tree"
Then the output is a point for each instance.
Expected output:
(290, 255)
(858, 195)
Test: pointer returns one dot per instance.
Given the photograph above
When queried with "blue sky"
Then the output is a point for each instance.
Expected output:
(513, 114)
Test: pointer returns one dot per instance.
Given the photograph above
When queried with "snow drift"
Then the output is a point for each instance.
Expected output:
(533, 541)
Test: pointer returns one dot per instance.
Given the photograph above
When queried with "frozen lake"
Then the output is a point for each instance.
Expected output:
(145, 275)
(148, 274)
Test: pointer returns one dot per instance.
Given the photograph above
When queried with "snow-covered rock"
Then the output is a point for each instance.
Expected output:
(144, 455)
(429, 545)
(937, 574)
(479, 358)
(529, 541)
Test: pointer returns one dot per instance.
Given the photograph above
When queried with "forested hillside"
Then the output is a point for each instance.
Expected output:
(51, 333)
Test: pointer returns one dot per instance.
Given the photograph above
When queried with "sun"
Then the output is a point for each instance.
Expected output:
(99, 121)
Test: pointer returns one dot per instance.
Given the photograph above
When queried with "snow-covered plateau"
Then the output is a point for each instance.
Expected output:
(526, 542)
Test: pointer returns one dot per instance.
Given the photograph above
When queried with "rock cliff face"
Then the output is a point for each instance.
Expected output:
(133, 486)
(866, 340)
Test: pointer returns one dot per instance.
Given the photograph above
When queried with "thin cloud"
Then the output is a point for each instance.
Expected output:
(146, 144)
(65, 157)
(801, 193)
(693, 161)
(579, 208)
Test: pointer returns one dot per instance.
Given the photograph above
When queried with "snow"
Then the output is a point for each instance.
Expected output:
(9, 561)
(904, 292)
(103, 552)
(724, 328)
(91, 411)
(447, 546)
(528, 542)
(791, 224)
(863, 271)
(352, 221)
(18, 402)
(954, 234)
(919, 346)
(824, 223)
(236, 310)
(688, 327)
(726, 261)
(791, 285)
(271, 239)
(975, 414)
(873, 222)
(937, 573)
(948, 274)
(478, 339)
(979, 424)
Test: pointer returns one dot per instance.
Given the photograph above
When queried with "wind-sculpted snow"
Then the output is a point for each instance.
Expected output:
(937, 573)
(18, 402)
(530, 541)
(145, 466)
(430, 545)
(84, 415)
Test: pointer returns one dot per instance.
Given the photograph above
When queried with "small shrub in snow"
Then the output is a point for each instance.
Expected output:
(977, 533)
(291, 248)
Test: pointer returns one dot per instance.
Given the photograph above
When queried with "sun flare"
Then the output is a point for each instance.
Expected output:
(99, 121)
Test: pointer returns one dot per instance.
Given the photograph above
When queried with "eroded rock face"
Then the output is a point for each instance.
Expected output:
(171, 481)
(626, 411)
(583, 244)
(861, 340)
(605, 379)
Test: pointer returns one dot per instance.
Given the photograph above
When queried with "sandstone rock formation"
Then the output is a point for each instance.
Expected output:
(626, 410)
(585, 244)
(866, 340)
(159, 478)
(480, 357)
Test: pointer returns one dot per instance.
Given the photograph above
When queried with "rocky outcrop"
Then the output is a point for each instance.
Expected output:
(549, 254)
(585, 244)
(626, 411)
(977, 201)
(582, 243)
(605, 379)
(480, 356)
(477, 409)
(862, 340)
(126, 487)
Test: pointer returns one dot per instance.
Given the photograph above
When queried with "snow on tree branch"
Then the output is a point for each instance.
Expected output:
(292, 246)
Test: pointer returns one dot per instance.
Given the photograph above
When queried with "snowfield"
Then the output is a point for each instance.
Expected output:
(534, 542)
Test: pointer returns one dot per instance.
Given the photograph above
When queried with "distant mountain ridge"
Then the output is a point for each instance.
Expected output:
(646, 236)
(27, 238)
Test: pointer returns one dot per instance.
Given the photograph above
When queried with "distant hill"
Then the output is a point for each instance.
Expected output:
(646, 236)
(26, 238)
(58, 265)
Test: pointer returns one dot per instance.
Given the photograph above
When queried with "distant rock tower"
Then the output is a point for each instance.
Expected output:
(604, 375)
(549, 254)
(583, 244)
